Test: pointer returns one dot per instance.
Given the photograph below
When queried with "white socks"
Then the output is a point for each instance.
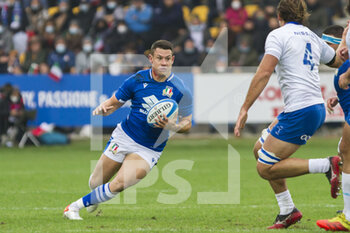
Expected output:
(318, 165)
(346, 194)
(285, 202)
(78, 204)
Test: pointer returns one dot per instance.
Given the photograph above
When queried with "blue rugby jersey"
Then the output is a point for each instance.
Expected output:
(343, 95)
(144, 92)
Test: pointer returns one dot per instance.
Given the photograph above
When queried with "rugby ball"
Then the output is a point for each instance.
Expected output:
(166, 106)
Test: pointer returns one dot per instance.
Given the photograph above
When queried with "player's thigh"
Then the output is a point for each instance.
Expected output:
(105, 169)
(133, 169)
(280, 148)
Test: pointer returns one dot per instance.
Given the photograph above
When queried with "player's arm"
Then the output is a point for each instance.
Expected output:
(344, 80)
(259, 82)
(341, 54)
(184, 125)
(107, 107)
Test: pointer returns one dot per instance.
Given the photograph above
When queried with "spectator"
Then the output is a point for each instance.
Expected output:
(36, 15)
(63, 16)
(98, 34)
(168, 20)
(82, 60)
(4, 113)
(236, 15)
(317, 20)
(110, 12)
(13, 65)
(74, 37)
(63, 57)
(243, 54)
(16, 17)
(261, 31)
(19, 38)
(85, 16)
(198, 33)
(189, 56)
(34, 60)
(6, 43)
(217, 9)
(117, 38)
(17, 121)
(138, 18)
(4, 59)
(49, 35)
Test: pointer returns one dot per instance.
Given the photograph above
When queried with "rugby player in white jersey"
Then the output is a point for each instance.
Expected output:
(296, 53)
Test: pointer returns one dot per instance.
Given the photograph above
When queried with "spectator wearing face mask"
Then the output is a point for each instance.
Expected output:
(62, 57)
(236, 15)
(243, 54)
(112, 10)
(6, 43)
(74, 37)
(63, 16)
(198, 32)
(48, 33)
(261, 30)
(189, 56)
(16, 118)
(82, 60)
(36, 15)
(16, 17)
(34, 60)
(117, 38)
(85, 16)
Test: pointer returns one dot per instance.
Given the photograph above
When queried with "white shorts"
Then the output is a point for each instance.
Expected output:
(120, 145)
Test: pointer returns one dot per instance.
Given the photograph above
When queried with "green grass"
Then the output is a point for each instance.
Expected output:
(37, 184)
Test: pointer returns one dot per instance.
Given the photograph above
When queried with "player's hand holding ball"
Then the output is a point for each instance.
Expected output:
(166, 123)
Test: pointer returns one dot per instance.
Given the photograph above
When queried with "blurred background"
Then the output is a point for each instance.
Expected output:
(51, 51)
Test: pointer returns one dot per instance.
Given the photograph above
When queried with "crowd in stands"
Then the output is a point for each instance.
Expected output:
(36, 35)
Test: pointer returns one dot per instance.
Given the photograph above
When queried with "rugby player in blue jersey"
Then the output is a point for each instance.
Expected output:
(135, 147)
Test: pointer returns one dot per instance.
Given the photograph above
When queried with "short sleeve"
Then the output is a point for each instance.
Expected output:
(185, 104)
(125, 92)
(273, 45)
(327, 52)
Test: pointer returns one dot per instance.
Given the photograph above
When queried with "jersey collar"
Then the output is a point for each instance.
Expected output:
(292, 22)
(171, 76)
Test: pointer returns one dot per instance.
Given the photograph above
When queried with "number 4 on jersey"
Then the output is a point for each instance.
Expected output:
(308, 56)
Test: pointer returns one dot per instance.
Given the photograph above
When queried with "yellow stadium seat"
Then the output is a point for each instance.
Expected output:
(52, 10)
(251, 9)
(202, 11)
(214, 31)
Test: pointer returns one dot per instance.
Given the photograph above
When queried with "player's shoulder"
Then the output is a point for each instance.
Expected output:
(139, 76)
(177, 82)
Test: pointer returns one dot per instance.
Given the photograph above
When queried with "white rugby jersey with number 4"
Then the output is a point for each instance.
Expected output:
(299, 52)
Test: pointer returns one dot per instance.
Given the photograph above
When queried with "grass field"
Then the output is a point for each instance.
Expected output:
(37, 184)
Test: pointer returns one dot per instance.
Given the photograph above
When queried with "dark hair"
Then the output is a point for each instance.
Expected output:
(334, 30)
(162, 44)
(293, 11)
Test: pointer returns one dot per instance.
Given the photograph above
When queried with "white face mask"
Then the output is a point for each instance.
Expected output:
(49, 29)
(122, 29)
(84, 7)
(14, 98)
(87, 48)
(236, 5)
(73, 30)
(111, 5)
(60, 48)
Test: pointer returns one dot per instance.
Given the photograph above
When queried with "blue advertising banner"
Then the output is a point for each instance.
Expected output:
(69, 102)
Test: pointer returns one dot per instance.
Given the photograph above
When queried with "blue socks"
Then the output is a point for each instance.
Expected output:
(100, 194)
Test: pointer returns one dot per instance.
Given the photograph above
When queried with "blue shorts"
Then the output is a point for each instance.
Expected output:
(297, 127)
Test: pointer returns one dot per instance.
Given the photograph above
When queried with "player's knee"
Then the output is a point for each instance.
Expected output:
(265, 162)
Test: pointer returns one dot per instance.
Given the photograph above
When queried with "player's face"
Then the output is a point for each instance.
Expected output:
(162, 61)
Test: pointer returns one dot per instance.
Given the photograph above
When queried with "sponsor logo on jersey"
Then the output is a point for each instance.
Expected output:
(168, 91)
(145, 85)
